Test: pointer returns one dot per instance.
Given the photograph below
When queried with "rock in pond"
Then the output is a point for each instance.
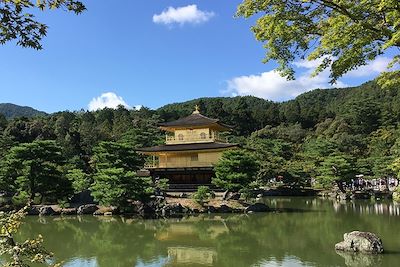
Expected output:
(33, 210)
(364, 242)
(87, 209)
(173, 208)
(46, 211)
(144, 208)
(68, 211)
(224, 209)
(211, 209)
(257, 207)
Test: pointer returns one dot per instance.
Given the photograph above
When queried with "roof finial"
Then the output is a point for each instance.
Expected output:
(196, 110)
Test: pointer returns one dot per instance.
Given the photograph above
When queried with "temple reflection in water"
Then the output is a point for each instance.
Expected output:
(282, 238)
(188, 256)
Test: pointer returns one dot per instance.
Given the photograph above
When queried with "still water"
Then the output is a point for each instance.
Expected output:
(303, 233)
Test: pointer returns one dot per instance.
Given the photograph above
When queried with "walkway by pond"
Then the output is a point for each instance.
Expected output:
(303, 233)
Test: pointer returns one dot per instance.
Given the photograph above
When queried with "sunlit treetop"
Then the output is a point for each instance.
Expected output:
(19, 24)
(343, 34)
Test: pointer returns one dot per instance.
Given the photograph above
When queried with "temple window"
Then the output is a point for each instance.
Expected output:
(203, 136)
(180, 137)
(194, 157)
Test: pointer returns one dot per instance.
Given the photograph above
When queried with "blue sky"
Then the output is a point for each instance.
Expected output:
(142, 53)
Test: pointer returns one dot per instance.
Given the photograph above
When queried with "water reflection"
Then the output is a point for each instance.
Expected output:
(366, 207)
(384, 208)
(271, 239)
(188, 256)
(360, 260)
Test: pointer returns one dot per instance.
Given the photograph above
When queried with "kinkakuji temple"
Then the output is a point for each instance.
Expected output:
(193, 146)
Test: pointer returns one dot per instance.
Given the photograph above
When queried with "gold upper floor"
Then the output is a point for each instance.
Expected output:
(186, 136)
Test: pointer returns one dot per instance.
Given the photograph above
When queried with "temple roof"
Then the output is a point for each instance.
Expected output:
(195, 120)
(186, 147)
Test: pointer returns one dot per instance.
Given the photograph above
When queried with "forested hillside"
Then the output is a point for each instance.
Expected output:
(361, 106)
(11, 111)
(355, 130)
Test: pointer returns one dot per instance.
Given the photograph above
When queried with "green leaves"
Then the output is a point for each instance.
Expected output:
(115, 180)
(335, 168)
(79, 179)
(202, 194)
(21, 254)
(235, 170)
(35, 168)
(19, 25)
(343, 34)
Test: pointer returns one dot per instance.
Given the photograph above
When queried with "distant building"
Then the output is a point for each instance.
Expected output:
(193, 146)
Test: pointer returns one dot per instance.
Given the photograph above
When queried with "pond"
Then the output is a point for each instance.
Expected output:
(303, 233)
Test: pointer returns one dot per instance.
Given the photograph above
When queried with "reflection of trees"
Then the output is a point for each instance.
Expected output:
(306, 230)
(115, 242)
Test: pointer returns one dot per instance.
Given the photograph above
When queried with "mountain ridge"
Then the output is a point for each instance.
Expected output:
(11, 111)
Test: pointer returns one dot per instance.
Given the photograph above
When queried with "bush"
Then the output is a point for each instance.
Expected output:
(202, 194)
(20, 199)
(396, 195)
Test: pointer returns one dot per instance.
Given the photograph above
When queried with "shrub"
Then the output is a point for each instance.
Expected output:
(202, 194)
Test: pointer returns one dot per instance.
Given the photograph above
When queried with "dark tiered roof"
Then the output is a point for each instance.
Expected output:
(186, 147)
(194, 120)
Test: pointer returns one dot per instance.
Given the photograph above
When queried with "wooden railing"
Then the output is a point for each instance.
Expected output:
(187, 164)
(194, 138)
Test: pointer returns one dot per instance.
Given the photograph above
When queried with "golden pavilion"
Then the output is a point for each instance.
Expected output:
(193, 146)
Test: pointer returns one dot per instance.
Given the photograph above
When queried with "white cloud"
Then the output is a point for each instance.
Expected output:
(270, 85)
(138, 107)
(376, 66)
(181, 15)
(107, 100)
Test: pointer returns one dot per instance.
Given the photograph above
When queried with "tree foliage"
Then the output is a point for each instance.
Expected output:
(117, 186)
(18, 22)
(11, 111)
(235, 170)
(290, 140)
(342, 34)
(32, 169)
(115, 180)
(335, 169)
(202, 194)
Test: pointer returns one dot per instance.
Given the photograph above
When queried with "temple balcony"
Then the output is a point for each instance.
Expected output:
(186, 164)
(194, 138)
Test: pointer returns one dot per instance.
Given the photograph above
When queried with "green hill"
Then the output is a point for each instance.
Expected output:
(366, 105)
(11, 111)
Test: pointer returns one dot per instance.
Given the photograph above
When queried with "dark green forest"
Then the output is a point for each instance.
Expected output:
(355, 130)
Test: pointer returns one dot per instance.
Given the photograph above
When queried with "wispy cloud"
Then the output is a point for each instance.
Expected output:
(374, 67)
(182, 15)
(107, 100)
(270, 85)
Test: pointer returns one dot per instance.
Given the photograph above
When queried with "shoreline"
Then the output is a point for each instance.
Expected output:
(172, 205)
